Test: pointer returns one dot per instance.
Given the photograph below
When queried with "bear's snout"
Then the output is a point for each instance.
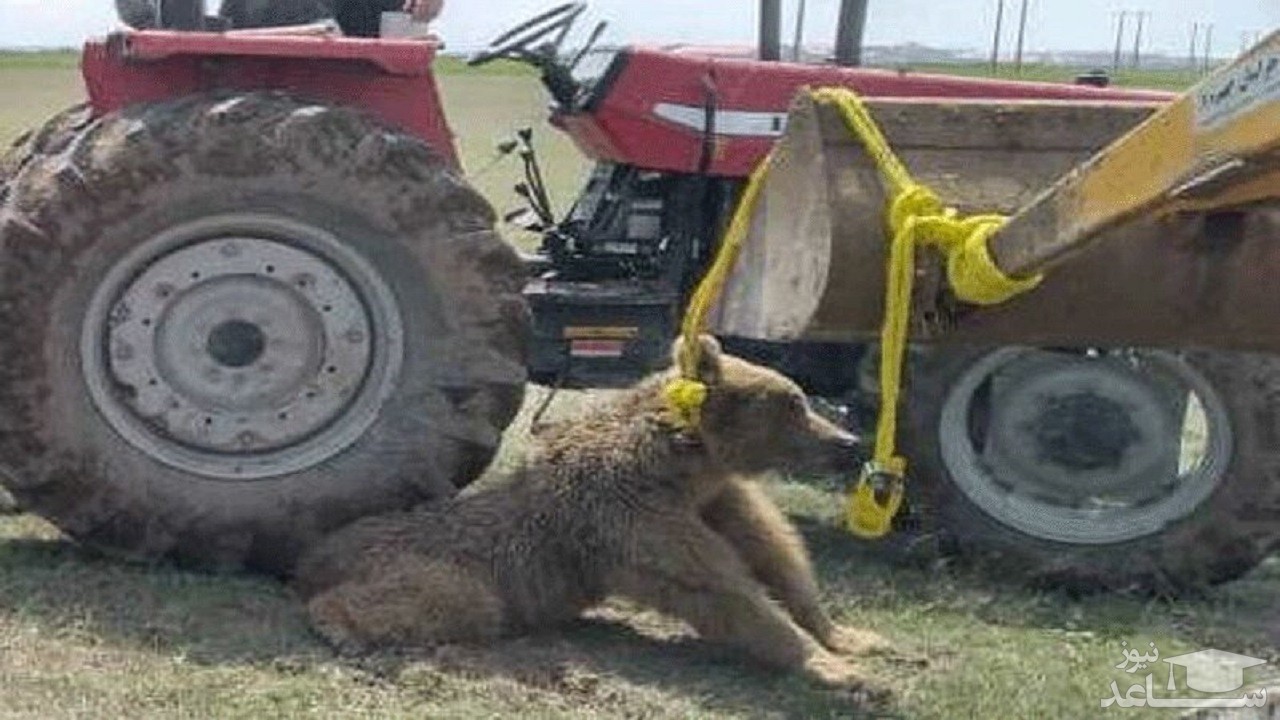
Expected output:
(849, 450)
(831, 448)
(850, 445)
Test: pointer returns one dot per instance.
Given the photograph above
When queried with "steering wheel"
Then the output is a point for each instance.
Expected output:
(518, 41)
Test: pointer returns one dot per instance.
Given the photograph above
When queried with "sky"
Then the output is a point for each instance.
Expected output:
(1052, 24)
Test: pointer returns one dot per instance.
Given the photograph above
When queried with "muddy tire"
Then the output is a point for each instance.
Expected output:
(8, 506)
(49, 138)
(1098, 473)
(234, 323)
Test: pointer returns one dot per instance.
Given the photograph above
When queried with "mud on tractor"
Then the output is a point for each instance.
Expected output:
(248, 294)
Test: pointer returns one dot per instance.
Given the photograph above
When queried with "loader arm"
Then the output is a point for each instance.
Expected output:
(1215, 147)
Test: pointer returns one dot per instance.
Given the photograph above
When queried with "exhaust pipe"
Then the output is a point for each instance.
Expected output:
(853, 20)
(771, 30)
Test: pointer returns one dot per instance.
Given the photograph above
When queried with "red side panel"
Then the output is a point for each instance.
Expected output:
(651, 110)
(390, 79)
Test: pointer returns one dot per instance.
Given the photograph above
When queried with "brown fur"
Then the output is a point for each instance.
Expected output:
(616, 502)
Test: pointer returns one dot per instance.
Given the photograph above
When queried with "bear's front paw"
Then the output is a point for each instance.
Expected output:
(843, 675)
(855, 641)
(834, 671)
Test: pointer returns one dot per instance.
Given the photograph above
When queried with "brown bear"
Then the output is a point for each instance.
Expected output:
(619, 501)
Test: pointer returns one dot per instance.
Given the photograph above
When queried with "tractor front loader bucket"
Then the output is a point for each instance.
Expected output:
(813, 264)
(1156, 222)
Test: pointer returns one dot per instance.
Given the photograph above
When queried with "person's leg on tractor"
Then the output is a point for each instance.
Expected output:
(362, 18)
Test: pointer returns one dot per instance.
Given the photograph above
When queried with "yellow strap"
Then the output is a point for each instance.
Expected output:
(916, 217)
(685, 396)
(971, 272)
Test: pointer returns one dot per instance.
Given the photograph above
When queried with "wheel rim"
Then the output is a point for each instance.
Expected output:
(241, 346)
(1085, 447)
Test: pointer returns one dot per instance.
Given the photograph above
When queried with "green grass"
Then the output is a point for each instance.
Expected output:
(39, 60)
(32, 89)
(82, 636)
(455, 65)
(1154, 79)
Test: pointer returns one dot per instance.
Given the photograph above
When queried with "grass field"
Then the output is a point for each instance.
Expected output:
(85, 637)
(1128, 77)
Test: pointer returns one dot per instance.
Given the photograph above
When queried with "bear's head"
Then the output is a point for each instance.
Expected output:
(756, 420)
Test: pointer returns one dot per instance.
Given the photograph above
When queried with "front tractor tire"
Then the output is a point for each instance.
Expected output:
(1091, 470)
(234, 323)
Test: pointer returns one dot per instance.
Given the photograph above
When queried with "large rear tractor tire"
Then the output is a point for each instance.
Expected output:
(1124, 470)
(234, 323)
(49, 138)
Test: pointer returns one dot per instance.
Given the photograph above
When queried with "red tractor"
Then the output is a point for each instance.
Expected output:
(249, 295)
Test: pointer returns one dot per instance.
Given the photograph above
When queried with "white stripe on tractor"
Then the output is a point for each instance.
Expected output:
(737, 123)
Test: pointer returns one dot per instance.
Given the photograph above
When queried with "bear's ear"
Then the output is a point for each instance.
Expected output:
(709, 357)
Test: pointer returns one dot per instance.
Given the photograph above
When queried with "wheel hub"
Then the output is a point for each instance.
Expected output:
(241, 356)
(1084, 448)
(236, 343)
(1083, 431)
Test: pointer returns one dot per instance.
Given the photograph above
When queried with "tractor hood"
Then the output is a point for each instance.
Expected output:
(648, 106)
